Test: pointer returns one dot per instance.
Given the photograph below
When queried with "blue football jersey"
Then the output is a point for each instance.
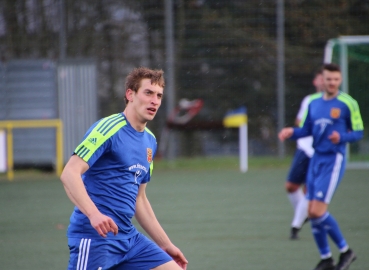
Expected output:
(120, 159)
(339, 114)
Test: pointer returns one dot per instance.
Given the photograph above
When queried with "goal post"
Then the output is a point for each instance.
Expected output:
(352, 54)
(8, 127)
(3, 164)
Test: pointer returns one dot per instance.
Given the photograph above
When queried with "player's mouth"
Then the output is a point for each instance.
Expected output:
(151, 111)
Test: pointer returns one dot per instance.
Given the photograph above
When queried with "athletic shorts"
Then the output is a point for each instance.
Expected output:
(324, 175)
(137, 252)
(299, 168)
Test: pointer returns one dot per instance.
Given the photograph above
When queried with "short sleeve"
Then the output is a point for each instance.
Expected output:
(90, 150)
(97, 139)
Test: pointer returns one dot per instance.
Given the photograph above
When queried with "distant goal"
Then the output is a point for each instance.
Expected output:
(352, 54)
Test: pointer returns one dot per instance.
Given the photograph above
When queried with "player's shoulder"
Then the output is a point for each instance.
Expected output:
(109, 125)
(305, 99)
(348, 100)
(115, 116)
(315, 96)
(345, 97)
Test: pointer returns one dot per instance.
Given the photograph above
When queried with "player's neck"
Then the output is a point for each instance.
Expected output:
(134, 120)
(328, 96)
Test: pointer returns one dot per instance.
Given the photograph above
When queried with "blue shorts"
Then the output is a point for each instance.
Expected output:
(299, 168)
(325, 174)
(137, 252)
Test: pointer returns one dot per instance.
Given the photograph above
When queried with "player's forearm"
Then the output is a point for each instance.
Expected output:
(352, 136)
(148, 221)
(299, 133)
(77, 193)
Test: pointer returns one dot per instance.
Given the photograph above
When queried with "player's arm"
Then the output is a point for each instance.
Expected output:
(351, 136)
(285, 133)
(355, 122)
(302, 121)
(293, 133)
(148, 221)
(76, 191)
(305, 128)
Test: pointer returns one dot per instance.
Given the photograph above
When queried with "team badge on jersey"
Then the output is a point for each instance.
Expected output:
(149, 155)
(335, 112)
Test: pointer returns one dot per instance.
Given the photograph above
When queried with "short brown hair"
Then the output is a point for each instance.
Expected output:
(331, 67)
(134, 78)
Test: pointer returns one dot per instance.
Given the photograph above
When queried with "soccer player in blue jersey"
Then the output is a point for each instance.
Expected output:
(106, 179)
(296, 180)
(333, 119)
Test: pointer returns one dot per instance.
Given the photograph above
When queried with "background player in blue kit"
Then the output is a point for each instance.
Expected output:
(296, 179)
(334, 119)
(106, 179)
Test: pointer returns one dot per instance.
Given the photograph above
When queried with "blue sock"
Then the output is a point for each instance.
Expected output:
(320, 236)
(331, 225)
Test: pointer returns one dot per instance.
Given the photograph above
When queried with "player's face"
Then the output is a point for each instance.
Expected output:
(147, 100)
(318, 82)
(332, 82)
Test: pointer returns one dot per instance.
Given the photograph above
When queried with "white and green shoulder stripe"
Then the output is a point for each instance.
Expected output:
(106, 128)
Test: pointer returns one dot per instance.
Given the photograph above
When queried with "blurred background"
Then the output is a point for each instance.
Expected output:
(63, 65)
(68, 59)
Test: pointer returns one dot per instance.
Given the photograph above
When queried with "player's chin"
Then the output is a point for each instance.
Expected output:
(150, 116)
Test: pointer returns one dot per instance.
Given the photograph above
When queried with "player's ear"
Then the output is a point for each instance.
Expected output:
(129, 94)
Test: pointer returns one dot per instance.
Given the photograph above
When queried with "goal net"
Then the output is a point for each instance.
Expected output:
(352, 54)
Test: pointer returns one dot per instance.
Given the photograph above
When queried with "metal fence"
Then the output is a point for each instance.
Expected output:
(42, 90)
(77, 93)
(224, 51)
(28, 91)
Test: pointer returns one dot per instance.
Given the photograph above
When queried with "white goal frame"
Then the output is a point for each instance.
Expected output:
(343, 42)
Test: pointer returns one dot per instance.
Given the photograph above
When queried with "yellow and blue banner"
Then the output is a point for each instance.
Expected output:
(235, 118)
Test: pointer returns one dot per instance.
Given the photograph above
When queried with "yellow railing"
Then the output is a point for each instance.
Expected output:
(10, 125)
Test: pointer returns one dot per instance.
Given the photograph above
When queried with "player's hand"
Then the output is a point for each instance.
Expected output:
(285, 133)
(177, 256)
(335, 137)
(103, 224)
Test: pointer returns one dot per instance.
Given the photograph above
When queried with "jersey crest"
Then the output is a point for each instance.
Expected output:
(149, 155)
(335, 113)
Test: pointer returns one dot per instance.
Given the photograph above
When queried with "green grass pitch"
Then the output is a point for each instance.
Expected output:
(219, 217)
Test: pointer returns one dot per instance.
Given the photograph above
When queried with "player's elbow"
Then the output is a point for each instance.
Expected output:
(355, 136)
(69, 172)
(360, 134)
(65, 175)
(75, 167)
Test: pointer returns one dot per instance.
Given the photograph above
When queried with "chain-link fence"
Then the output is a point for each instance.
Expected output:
(225, 53)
